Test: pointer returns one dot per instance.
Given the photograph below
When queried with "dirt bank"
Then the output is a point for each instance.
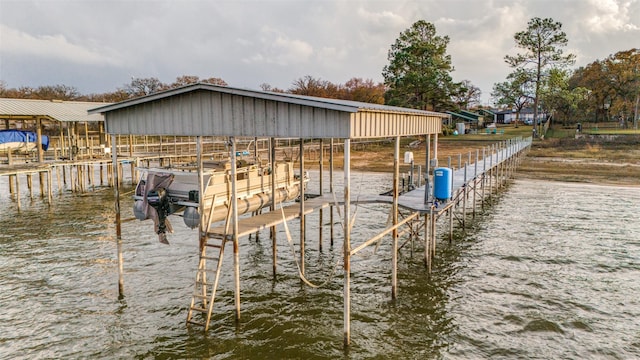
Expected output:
(601, 161)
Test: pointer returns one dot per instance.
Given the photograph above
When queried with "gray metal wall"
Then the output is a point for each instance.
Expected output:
(212, 113)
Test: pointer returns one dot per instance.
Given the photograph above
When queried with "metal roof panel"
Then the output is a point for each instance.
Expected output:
(59, 110)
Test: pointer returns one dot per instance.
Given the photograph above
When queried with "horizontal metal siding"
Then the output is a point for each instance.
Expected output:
(368, 124)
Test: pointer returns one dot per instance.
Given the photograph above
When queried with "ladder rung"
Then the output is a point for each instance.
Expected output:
(209, 258)
(214, 245)
(206, 270)
(195, 323)
(204, 283)
(202, 310)
(203, 297)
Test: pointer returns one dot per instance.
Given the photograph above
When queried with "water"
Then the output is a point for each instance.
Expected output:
(549, 271)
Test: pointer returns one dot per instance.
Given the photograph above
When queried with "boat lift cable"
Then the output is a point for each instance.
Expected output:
(293, 250)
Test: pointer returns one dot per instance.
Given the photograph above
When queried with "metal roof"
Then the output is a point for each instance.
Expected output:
(462, 116)
(327, 103)
(205, 109)
(66, 111)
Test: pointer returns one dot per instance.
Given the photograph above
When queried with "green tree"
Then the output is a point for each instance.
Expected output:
(542, 43)
(515, 93)
(467, 95)
(562, 101)
(418, 74)
(623, 76)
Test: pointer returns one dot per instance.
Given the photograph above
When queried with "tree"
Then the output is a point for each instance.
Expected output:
(418, 74)
(593, 77)
(267, 87)
(542, 42)
(623, 70)
(144, 86)
(215, 81)
(192, 79)
(368, 91)
(560, 99)
(467, 96)
(311, 86)
(515, 93)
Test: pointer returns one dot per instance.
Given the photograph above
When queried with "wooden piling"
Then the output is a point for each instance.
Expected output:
(272, 159)
(12, 179)
(302, 216)
(347, 242)
(30, 185)
(18, 191)
(394, 235)
(331, 191)
(116, 188)
(236, 245)
(321, 192)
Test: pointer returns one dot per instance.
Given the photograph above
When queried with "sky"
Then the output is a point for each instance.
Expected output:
(98, 46)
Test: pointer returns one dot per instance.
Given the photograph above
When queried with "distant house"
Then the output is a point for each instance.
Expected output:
(526, 116)
(470, 119)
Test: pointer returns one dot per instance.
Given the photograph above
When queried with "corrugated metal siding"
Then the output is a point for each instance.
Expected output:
(221, 111)
(369, 124)
(57, 110)
(221, 114)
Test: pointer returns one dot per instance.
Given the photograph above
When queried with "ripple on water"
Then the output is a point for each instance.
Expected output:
(551, 279)
(543, 325)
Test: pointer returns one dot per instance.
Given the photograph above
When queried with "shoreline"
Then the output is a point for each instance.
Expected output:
(569, 160)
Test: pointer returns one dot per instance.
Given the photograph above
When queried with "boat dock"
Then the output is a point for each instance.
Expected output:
(242, 116)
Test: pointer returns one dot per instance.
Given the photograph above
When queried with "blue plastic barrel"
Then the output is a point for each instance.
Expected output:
(442, 183)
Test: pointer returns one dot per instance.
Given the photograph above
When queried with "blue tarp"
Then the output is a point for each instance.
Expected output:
(10, 136)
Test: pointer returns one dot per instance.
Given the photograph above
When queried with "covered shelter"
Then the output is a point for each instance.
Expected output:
(209, 110)
(55, 116)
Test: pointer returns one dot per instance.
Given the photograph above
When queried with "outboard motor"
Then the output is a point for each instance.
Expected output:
(159, 200)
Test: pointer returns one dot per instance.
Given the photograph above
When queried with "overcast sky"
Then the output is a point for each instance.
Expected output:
(98, 46)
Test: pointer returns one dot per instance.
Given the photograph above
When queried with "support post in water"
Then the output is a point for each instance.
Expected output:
(394, 210)
(347, 242)
(116, 189)
(234, 204)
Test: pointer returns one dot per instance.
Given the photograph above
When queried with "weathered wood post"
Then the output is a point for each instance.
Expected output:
(236, 244)
(39, 140)
(116, 189)
(321, 192)
(331, 190)
(347, 242)
(274, 178)
(394, 210)
(302, 216)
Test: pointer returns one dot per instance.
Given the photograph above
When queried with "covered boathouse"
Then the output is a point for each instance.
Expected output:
(209, 110)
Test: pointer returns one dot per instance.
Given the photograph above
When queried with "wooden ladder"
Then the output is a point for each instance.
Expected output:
(205, 290)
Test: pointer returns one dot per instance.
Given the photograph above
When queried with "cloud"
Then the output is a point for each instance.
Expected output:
(58, 47)
(277, 48)
(610, 15)
(380, 21)
(95, 44)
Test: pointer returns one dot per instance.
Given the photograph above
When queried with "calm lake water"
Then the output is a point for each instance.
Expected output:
(549, 271)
